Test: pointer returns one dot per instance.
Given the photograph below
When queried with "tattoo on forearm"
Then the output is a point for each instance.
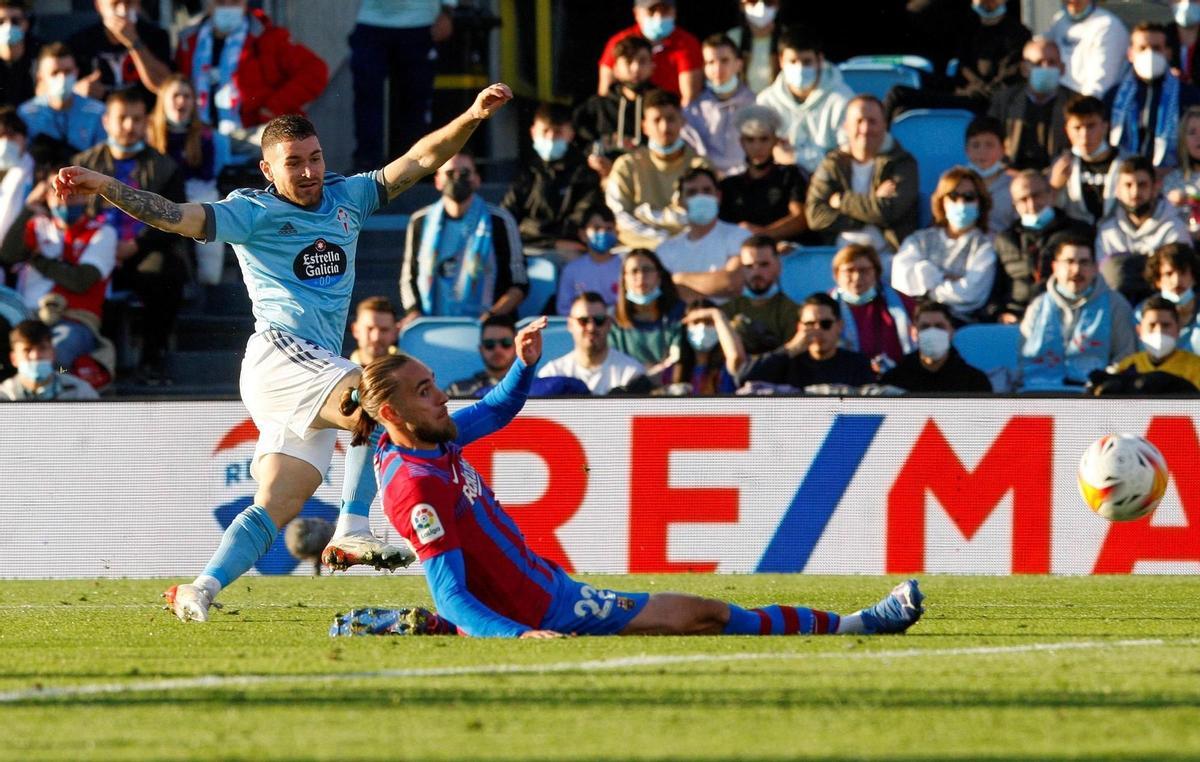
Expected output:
(148, 207)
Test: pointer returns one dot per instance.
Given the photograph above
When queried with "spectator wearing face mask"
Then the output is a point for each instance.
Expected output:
(763, 316)
(1031, 111)
(678, 63)
(875, 316)
(1149, 100)
(599, 269)
(1093, 42)
(985, 156)
(56, 112)
(703, 259)
(710, 353)
(552, 192)
(39, 378)
(1171, 270)
(1158, 332)
(952, 262)
(1087, 176)
(646, 319)
(462, 255)
(18, 52)
(609, 125)
(756, 40)
(711, 118)
(768, 198)
(935, 367)
(122, 49)
(16, 168)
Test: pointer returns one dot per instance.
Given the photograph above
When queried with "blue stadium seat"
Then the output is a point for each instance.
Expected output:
(556, 339)
(543, 285)
(448, 345)
(878, 78)
(917, 63)
(805, 270)
(937, 138)
(993, 348)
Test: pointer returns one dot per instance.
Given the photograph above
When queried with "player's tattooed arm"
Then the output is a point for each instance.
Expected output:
(154, 210)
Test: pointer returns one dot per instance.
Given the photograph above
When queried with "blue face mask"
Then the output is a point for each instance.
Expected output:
(656, 28)
(799, 76)
(702, 209)
(987, 15)
(1038, 221)
(664, 150)
(11, 34)
(988, 173)
(726, 89)
(858, 299)
(1082, 14)
(67, 215)
(961, 214)
(1187, 14)
(550, 149)
(642, 300)
(1043, 80)
(602, 240)
(1180, 299)
(36, 371)
(226, 18)
(770, 293)
(137, 147)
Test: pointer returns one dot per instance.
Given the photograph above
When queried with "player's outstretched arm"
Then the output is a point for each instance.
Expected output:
(150, 208)
(436, 148)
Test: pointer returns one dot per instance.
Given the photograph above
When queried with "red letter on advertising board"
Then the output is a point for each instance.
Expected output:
(1019, 459)
(566, 464)
(1127, 542)
(654, 504)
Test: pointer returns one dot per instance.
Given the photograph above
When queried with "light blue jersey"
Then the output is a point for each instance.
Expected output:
(298, 264)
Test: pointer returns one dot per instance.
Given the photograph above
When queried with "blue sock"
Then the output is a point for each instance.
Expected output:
(780, 620)
(244, 542)
(359, 486)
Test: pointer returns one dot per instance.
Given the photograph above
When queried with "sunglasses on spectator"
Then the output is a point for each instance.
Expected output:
(956, 196)
(824, 325)
(598, 320)
(491, 344)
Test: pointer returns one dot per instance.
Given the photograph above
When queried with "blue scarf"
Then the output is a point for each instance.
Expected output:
(467, 290)
(1124, 134)
(1049, 358)
(895, 308)
(227, 100)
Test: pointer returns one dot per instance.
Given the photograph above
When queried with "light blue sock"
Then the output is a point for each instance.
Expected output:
(358, 487)
(244, 542)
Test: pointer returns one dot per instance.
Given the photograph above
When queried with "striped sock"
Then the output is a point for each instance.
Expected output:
(358, 488)
(246, 540)
(780, 620)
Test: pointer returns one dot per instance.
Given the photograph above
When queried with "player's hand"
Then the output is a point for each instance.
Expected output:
(77, 181)
(541, 634)
(490, 100)
(529, 341)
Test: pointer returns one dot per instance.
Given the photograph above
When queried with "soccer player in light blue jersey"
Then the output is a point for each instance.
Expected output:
(295, 242)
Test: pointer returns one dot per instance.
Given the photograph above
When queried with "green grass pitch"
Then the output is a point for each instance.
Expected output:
(1000, 668)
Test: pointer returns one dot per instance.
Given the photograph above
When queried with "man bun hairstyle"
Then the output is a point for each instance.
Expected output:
(376, 386)
(286, 128)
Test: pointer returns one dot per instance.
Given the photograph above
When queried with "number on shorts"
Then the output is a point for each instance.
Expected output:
(588, 604)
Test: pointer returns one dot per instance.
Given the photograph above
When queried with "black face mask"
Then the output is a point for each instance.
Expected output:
(1141, 210)
(636, 87)
(459, 189)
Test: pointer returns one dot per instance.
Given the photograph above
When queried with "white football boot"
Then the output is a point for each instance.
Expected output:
(357, 548)
(189, 602)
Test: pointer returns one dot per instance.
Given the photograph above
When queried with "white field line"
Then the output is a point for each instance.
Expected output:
(68, 605)
(597, 665)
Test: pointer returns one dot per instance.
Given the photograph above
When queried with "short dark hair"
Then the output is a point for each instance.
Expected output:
(822, 299)
(19, 5)
(1158, 302)
(1085, 105)
(287, 128)
(1135, 164)
(32, 332)
(629, 47)
(985, 125)
(1073, 239)
(598, 210)
(554, 114)
(589, 297)
(719, 40)
(659, 99)
(695, 172)
(498, 321)
(1149, 26)
(126, 96)
(799, 40)
(11, 122)
(760, 241)
(55, 50)
(925, 306)
(1179, 255)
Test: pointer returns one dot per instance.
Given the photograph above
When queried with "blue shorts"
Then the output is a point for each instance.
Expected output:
(580, 609)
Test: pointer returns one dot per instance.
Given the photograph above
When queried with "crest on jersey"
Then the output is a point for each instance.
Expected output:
(343, 218)
(426, 524)
(321, 264)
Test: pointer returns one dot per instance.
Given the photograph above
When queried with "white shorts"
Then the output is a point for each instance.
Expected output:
(285, 382)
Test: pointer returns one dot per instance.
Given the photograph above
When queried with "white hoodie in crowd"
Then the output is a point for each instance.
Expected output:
(1093, 50)
(813, 126)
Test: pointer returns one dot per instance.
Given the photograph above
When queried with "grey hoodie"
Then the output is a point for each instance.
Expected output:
(811, 126)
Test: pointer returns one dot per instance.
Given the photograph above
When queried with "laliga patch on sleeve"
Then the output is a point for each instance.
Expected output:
(426, 524)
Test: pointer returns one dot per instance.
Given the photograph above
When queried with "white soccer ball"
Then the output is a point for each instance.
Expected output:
(1122, 477)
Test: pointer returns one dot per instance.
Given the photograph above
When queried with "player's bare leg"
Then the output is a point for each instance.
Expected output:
(353, 541)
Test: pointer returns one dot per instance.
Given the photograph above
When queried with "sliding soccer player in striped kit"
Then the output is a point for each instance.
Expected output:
(296, 244)
(483, 576)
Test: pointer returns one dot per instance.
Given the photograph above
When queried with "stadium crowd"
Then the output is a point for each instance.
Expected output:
(672, 203)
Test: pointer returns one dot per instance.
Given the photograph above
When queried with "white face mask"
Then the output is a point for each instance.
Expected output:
(130, 14)
(760, 14)
(1149, 64)
(933, 343)
(1158, 344)
(10, 153)
(59, 88)
(702, 336)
